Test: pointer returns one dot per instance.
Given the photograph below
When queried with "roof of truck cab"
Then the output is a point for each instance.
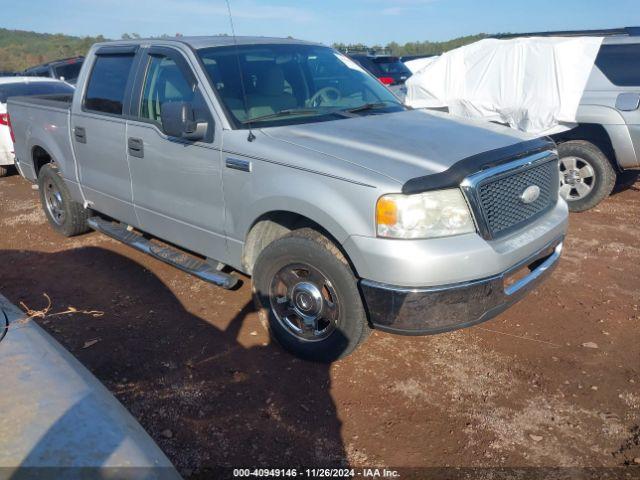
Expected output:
(213, 41)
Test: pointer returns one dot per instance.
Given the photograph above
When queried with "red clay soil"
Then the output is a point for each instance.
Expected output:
(555, 381)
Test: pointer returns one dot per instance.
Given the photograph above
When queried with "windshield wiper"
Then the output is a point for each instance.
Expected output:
(365, 107)
(282, 113)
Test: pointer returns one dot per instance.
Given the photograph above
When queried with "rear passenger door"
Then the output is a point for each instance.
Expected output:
(619, 63)
(98, 133)
(177, 184)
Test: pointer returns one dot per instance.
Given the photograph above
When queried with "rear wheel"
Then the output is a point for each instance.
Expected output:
(4, 171)
(306, 290)
(66, 216)
(586, 175)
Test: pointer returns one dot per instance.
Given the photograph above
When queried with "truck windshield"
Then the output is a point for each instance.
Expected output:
(287, 84)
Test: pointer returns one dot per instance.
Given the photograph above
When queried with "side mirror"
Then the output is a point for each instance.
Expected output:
(179, 120)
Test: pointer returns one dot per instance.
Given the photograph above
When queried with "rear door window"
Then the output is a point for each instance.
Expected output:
(620, 64)
(368, 65)
(108, 83)
(392, 65)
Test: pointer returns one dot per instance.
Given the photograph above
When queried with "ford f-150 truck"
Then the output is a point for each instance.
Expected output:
(286, 161)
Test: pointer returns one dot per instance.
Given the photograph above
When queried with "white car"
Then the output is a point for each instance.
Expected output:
(20, 87)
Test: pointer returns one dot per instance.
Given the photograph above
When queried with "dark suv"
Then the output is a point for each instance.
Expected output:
(66, 69)
(388, 69)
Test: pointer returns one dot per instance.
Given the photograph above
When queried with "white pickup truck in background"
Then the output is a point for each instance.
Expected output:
(21, 87)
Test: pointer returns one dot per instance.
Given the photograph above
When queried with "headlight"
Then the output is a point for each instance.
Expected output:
(440, 213)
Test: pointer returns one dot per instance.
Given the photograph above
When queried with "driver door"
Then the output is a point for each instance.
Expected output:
(177, 184)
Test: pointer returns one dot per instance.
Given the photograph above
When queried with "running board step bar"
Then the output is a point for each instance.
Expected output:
(168, 254)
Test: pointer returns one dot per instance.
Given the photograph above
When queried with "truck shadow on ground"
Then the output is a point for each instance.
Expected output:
(207, 400)
(627, 181)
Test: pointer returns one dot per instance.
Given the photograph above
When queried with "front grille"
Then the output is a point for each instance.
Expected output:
(500, 197)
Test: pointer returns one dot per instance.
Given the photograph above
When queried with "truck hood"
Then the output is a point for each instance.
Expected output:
(402, 145)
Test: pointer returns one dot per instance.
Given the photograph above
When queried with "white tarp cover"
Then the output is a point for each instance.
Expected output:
(419, 63)
(533, 84)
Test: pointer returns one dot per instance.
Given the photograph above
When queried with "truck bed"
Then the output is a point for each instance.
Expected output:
(55, 101)
(42, 122)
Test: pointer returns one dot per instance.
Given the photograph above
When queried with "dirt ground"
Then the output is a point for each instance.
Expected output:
(555, 381)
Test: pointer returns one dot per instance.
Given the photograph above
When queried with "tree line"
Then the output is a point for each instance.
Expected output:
(411, 48)
(21, 49)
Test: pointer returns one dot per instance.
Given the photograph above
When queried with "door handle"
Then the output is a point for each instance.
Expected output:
(236, 164)
(135, 147)
(81, 134)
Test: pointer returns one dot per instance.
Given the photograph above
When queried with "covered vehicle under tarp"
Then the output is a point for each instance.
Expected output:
(418, 64)
(532, 84)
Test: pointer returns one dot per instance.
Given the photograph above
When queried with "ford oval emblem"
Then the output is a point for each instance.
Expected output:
(530, 194)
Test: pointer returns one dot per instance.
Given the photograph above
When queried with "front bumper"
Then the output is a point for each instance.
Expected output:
(431, 310)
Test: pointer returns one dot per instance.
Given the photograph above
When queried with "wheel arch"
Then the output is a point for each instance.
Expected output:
(595, 134)
(274, 224)
(40, 157)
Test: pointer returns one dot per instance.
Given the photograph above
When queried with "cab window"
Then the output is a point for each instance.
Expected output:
(165, 82)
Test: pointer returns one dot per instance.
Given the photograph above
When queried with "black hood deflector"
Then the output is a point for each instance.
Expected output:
(453, 176)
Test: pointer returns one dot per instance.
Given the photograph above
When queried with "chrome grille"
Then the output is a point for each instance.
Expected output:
(497, 199)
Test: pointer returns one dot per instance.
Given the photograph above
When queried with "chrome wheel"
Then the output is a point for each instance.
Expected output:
(304, 302)
(577, 178)
(54, 202)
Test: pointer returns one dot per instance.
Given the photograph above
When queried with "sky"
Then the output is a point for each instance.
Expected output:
(327, 21)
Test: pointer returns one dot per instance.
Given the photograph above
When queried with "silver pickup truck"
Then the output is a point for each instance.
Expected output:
(288, 162)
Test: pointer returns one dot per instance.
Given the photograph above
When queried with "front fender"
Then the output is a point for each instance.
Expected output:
(337, 212)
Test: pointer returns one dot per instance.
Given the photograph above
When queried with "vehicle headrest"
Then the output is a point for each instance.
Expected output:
(175, 85)
(271, 82)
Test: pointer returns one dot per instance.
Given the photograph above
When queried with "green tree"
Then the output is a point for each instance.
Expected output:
(21, 49)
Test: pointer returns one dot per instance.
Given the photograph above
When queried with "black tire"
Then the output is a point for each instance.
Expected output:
(4, 171)
(72, 218)
(602, 181)
(308, 248)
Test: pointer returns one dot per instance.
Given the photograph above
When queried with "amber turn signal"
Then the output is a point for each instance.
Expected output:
(386, 212)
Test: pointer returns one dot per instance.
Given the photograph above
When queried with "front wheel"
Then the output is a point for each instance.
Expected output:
(305, 288)
(586, 175)
(4, 171)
